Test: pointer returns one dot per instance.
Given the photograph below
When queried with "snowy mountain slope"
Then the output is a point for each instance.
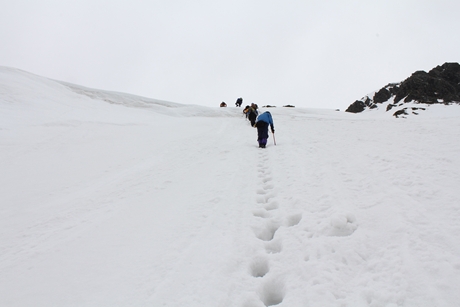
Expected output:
(22, 86)
(138, 203)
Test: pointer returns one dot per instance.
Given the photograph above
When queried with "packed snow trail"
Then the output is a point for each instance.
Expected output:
(109, 199)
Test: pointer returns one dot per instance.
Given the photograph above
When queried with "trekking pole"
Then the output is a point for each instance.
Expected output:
(274, 141)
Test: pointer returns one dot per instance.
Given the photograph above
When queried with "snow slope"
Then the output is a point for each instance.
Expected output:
(108, 199)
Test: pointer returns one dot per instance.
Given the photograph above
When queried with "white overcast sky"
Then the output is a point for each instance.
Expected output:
(321, 54)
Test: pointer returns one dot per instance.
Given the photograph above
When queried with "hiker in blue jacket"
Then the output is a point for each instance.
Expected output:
(262, 122)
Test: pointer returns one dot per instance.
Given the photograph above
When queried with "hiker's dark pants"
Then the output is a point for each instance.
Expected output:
(252, 118)
(262, 132)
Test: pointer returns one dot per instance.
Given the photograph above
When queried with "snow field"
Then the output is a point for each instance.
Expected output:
(327, 249)
(109, 199)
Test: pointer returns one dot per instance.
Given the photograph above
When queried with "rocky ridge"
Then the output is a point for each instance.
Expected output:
(441, 85)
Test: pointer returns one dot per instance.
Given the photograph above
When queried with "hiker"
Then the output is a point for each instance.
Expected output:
(223, 104)
(263, 121)
(252, 114)
(239, 102)
(246, 110)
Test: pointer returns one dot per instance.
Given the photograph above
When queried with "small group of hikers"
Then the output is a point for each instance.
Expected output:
(261, 122)
(238, 103)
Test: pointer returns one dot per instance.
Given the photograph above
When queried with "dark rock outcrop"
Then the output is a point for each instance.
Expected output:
(441, 85)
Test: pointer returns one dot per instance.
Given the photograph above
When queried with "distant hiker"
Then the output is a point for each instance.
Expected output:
(263, 121)
(239, 102)
(245, 111)
(223, 104)
(252, 114)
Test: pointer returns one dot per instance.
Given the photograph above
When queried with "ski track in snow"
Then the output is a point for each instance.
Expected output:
(161, 205)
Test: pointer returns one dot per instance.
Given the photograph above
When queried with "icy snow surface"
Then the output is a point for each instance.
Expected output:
(108, 199)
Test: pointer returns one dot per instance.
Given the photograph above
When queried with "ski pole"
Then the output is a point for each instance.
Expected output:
(274, 141)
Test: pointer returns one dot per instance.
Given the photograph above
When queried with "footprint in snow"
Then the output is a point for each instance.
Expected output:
(268, 187)
(261, 213)
(259, 267)
(261, 192)
(267, 232)
(272, 292)
(294, 219)
(271, 205)
(263, 199)
(342, 225)
(268, 179)
(274, 246)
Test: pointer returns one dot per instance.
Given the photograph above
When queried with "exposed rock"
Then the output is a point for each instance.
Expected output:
(382, 95)
(359, 106)
(441, 85)
(356, 107)
(400, 113)
(390, 106)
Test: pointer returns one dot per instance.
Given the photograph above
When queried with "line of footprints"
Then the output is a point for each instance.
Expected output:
(270, 219)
